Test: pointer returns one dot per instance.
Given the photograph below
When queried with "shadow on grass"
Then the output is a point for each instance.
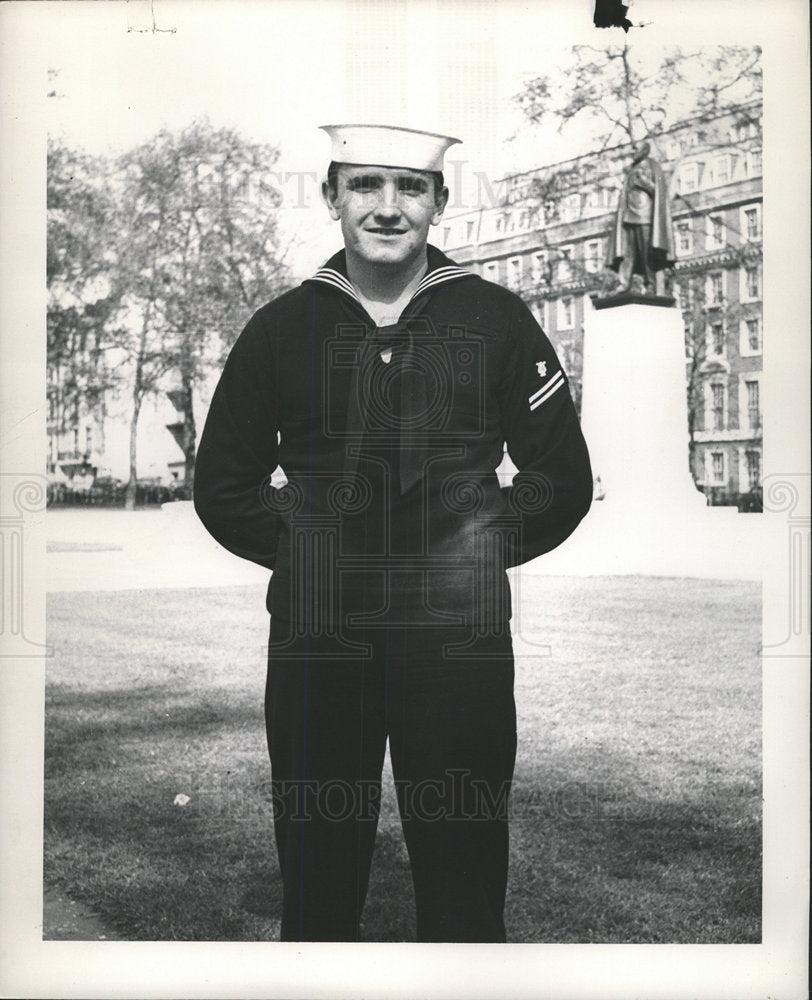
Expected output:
(593, 863)
(83, 729)
(154, 870)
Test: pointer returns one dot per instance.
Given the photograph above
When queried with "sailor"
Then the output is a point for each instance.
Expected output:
(385, 389)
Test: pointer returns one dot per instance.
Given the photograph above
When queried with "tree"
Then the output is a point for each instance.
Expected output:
(151, 259)
(621, 94)
(200, 245)
(628, 94)
(81, 303)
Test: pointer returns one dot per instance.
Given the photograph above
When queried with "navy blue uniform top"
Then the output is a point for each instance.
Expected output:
(304, 389)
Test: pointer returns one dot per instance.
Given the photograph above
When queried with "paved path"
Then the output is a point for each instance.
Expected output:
(64, 919)
(93, 549)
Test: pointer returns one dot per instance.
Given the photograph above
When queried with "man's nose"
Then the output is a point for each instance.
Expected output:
(387, 203)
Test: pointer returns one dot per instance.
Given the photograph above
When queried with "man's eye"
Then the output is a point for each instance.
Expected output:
(411, 187)
(363, 184)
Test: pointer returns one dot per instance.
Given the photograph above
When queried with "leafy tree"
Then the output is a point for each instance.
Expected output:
(81, 302)
(199, 245)
(150, 260)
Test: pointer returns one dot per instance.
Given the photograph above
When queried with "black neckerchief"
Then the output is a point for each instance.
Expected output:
(404, 338)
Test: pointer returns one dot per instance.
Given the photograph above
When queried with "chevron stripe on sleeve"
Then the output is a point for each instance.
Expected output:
(549, 387)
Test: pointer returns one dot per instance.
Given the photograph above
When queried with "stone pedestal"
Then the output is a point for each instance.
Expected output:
(634, 409)
(652, 520)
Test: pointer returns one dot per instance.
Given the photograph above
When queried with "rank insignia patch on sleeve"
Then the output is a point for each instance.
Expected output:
(541, 367)
(546, 390)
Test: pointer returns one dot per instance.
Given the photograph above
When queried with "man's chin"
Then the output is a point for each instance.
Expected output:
(389, 256)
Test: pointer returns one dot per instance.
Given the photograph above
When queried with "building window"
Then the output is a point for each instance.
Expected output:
(715, 232)
(492, 270)
(469, 231)
(565, 263)
(752, 163)
(596, 199)
(753, 459)
(718, 406)
(686, 293)
(751, 222)
(538, 308)
(673, 149)
(688, 177)
(685, 237)
(88, 440)
(571, 207)
(566, 313)
(538, 267)
(594, 256)
(717, 338)
(718, 468)
(752, 283)
(753, 408)
(446, 235)
(721, 169)
(716, 289)
(514, 272)
(750, 337)
(745, 130)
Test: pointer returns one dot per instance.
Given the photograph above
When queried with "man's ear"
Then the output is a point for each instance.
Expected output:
(330, 201)
(440, 202)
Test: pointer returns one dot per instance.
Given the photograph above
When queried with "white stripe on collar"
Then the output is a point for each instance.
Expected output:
(437, 277)
(335, 278)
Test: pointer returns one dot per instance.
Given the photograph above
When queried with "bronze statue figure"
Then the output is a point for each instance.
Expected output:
(642, 235)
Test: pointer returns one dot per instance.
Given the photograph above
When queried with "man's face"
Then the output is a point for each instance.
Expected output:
(385, 212)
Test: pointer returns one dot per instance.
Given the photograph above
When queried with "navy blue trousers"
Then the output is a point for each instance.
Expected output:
(444, 700)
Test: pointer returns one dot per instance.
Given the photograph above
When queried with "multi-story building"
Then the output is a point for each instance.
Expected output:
(545, 233)
(76, 415)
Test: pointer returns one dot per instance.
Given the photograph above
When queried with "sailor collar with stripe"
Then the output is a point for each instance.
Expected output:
(441, 270)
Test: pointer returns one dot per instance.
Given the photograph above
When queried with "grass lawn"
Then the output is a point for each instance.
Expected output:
(637, 794)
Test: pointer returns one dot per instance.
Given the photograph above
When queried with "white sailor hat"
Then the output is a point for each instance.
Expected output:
(388, 146)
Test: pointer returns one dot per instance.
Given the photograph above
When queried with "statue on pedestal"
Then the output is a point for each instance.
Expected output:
(642, 236)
